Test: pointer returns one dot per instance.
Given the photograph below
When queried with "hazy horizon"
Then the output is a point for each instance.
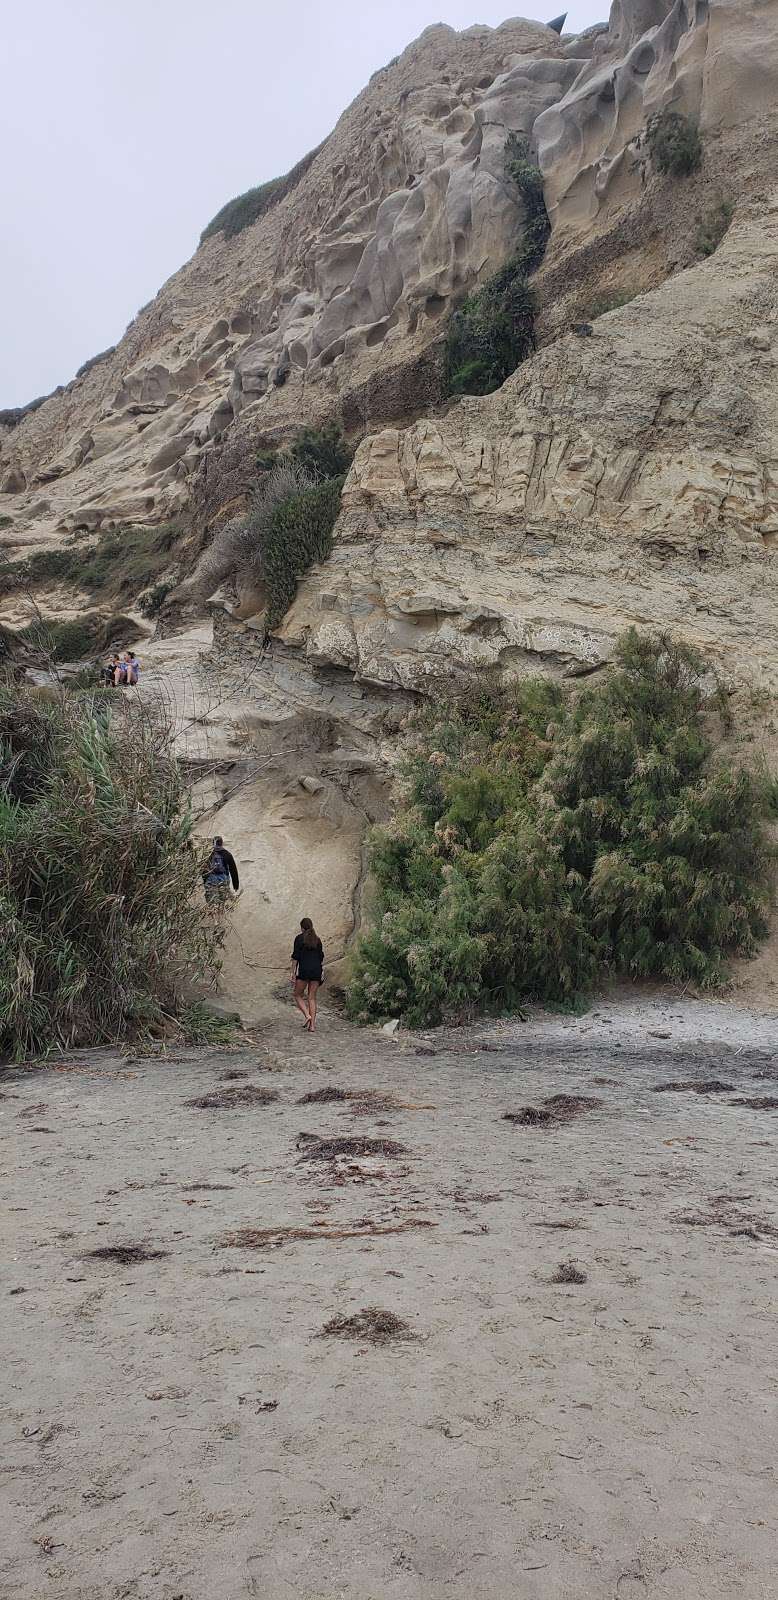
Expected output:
(131, 127)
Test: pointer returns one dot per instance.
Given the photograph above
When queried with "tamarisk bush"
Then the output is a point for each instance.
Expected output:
(547, 839)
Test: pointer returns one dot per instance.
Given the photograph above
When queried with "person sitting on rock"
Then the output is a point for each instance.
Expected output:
(108, 674)
(307, 971)
(133, 667)
(120, 673)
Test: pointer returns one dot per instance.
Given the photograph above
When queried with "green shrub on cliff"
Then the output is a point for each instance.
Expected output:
(288, 526)
(321, 452)
(491, 332)
(247, 208)
(299, 532)
(673, 143)
(119, 565)
(546, 840)
(101, 903)
(528, 178)
(494, 329)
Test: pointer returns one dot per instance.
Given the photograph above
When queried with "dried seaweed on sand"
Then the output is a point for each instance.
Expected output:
(127, 1255)
(244, 1094)
(317, 1149)
(273, 1238)
(556, 1109)
(694, 1086)
(568, 1272)
(371, 1325)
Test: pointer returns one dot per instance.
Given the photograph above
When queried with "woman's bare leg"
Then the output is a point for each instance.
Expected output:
(299, 999)
(312, 987)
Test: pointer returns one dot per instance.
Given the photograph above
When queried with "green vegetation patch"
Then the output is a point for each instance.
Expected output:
(119, 566)
(289, 524)
(673, 143)
(76, 640)
(494, 329)
(101, 903)
(322, 452)
(549, 838)
(491, 333)
(528, 178)
(246, 208)
(298, 533)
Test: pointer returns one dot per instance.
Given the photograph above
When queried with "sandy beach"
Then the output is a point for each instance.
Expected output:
(211, 1421)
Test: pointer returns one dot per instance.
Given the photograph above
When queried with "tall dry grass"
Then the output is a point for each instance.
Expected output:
(102, 916)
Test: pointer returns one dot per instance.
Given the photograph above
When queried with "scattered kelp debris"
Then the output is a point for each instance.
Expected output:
(313, 1148)
(568, 1272)
(723, 1214)
(571, 1105)
(462, 1198)
(325, 1096)
(554, 1110)
(126, 1255)
(232, 1075)
(361, 1102)
(530, 1117)
(245, 1094)
(561, 1223)
(694, 1086)
(371, 1325)
(765, 1102)
(274, 1238)
(373, 1100)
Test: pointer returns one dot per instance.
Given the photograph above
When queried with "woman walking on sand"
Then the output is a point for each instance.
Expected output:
(307, 971)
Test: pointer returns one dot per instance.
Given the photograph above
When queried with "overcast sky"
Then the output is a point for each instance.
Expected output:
(126, 124)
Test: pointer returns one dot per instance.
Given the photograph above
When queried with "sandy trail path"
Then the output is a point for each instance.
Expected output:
(179, 1429)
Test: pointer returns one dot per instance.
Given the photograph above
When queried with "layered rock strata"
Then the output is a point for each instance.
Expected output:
(629, 474)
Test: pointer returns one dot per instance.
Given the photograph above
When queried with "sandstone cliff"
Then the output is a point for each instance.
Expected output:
(327, 303)
(628, 472)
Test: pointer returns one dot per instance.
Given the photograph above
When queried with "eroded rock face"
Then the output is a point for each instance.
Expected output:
(320, 306)
(712, 60)
(627, 473)
(629, 476)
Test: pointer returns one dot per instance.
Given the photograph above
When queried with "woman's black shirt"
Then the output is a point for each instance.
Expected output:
(309, 958)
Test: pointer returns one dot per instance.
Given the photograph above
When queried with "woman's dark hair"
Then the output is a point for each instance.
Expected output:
(218, 840)
(310, 936)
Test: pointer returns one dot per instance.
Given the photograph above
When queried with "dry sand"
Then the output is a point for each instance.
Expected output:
(178, 1428)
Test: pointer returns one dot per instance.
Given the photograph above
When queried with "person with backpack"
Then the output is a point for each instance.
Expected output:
(220, 871)
(307, 971)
